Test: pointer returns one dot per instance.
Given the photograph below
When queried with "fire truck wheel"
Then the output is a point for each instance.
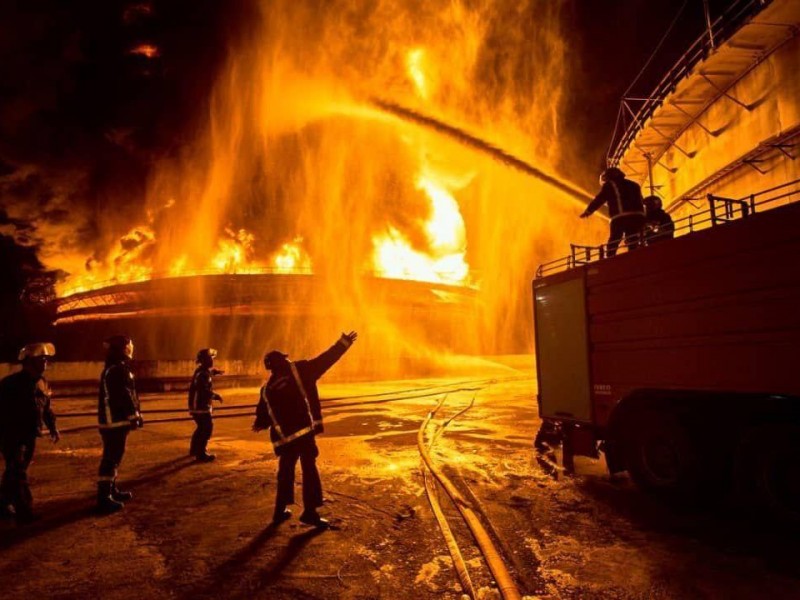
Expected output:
(768, 470)
(661, 456)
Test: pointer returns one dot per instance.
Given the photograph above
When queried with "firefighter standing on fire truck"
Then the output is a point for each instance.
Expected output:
(200, 398)
(24, 409)
(660, 226)
(117, 413)
(625, 207)
(289, 406)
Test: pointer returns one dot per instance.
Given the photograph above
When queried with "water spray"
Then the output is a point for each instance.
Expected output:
(471, 141)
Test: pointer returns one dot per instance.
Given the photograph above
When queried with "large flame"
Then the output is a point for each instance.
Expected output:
(296, 168)
(444, 258)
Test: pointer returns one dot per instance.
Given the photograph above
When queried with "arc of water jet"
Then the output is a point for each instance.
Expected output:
(480, 145)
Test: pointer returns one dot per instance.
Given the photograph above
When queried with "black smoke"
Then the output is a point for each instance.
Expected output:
(92, 94)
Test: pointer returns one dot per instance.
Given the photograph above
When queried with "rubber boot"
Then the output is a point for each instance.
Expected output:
(281, 514)
(119, 495)
(311, 517)
(105, 502)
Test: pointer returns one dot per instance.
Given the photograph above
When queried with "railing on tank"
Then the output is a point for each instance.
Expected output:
(446, 278)
(721, 29)
(719, 212)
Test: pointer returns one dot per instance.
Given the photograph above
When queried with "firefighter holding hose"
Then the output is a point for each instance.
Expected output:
(24, 410)
(625, 207)
(289, 406)
(117, 413)
(201, 395)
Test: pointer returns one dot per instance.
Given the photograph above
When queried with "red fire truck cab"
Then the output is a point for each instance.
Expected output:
(681, 360)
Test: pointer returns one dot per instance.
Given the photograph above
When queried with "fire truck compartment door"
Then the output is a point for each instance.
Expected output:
(561, 349)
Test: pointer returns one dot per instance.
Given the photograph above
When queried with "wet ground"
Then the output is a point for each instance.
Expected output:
(203, 531)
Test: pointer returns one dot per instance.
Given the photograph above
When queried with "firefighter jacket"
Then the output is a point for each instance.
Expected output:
(623, 196)
(117, 401)
(24, 407)
(289, 402)
(200, 392)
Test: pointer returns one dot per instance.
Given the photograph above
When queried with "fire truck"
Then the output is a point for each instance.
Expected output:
(680, 361)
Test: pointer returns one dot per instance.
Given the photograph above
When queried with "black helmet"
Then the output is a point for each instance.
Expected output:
(611, 174)
(274, 358)
(206, 353)
(652, 203)
(118, 346)
(117, 342)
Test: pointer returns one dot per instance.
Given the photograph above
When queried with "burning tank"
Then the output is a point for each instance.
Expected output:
(353, 171)
(245, 314)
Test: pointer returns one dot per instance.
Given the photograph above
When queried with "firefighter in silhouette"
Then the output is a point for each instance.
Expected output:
(117, 413)
(289, 406)
(201, 395)
(24, 410)
(659, 224)
(624, 199)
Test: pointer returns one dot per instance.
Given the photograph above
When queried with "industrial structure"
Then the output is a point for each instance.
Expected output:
(245, 314)
(726, 117)
(678, 360)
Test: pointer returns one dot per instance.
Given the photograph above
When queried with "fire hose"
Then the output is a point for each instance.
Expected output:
(249, 407)
(505, 583)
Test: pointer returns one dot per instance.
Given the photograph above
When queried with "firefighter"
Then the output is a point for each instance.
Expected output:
(289, 406)
(624, 199)
(24, 409)
(660, 226)
(200, 398)
(117, 413)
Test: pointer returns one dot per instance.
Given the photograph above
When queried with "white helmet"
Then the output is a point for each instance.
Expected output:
(37, 349)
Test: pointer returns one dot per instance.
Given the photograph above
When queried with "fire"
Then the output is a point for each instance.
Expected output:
(444, 260)
(414, 66)
(235, 252)
(294, 165)
(291, 258)
(146, 50)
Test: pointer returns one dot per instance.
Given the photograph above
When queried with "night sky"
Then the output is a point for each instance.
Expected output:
(74, 98)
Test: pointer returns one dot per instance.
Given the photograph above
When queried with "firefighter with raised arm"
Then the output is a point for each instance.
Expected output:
(289, 406)
(24, 410)
(201, 395)
(625, 207)
(117, 413)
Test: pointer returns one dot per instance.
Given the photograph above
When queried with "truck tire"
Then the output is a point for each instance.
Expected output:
(661, 456)
(768, 470)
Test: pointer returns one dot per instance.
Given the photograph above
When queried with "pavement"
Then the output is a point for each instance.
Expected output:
(203, 530)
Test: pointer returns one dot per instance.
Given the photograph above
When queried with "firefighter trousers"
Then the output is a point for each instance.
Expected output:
(113, 451)
(202, 433)
(14, 488)
(629, 227)
(305, 450)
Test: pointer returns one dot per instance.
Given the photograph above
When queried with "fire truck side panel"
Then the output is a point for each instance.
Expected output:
(562, 348)
(718, 310)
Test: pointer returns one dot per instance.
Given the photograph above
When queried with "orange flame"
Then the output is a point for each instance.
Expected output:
(292, 258)
(443, 262)
(146, 50)
(294, 145)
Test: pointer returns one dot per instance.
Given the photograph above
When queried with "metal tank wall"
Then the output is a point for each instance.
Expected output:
(771, 92)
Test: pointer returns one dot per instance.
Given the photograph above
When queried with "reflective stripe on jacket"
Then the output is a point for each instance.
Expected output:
(623, 197)
(289, 401)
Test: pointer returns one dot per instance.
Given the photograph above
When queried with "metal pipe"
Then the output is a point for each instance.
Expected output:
(709, 28)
